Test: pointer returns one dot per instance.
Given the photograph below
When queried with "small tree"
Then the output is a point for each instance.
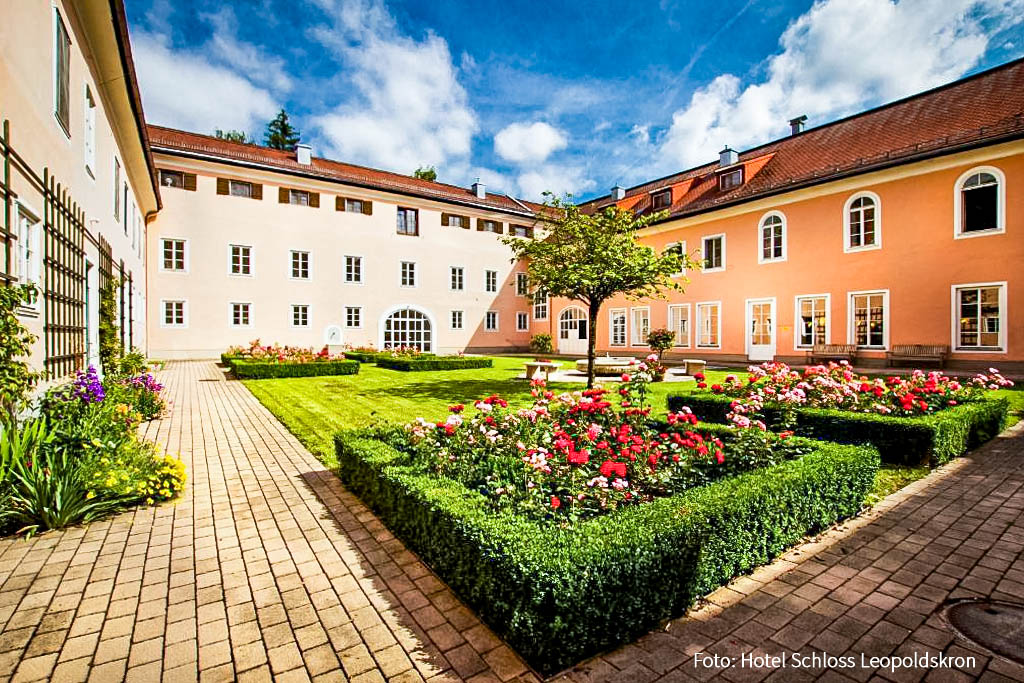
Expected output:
(425, 173)
(660, 341)
(592, 258)
(16, 379)
(233, 136)
(281, 134)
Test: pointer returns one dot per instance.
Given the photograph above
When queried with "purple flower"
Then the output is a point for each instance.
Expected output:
(87, 387)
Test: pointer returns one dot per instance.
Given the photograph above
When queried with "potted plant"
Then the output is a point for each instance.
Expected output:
(660, 340)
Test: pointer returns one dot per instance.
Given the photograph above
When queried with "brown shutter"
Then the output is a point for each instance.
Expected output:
(222, 186)
(257, 191)
(444, 219)
(339, 203)
(465, 222)
(314, 200)
(480, 224)
(282, 195)
(529, 231)
(500, 227)
(367, 207)
(190, 181)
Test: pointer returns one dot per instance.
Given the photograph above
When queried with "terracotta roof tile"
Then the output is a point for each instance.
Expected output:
(982, 109)
(171, 140)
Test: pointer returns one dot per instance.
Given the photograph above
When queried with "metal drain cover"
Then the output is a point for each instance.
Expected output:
(995, 625)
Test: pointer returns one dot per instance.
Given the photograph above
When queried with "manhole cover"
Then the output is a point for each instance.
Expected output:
(996, 626)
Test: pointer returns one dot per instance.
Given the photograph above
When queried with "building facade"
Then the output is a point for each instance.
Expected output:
(283, 246)
(77, 184)
(901, 225)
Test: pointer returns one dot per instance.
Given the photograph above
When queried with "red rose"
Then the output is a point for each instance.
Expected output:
(555, 503)
(702, 385)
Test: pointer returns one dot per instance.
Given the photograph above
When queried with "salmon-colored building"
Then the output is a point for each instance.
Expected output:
(899, 225)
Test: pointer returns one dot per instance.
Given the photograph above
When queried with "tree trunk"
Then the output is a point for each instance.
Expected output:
(592, 342)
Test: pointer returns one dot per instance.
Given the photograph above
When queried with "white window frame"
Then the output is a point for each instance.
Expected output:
(958, 211)
(522, 321)
(362, 205)
(847, 225)
(700, 325)
(851, 331)
(682, 250)
(462, 319)
(291, 265)
(59, 18)
(231, 273)
(633, 340)
(703, 258)
(309, 316)
(89, 131)
(487, 318)
(32, 270)
(955, 318)
(461, 278)
(231, 188)
(522, 283)
(611, 326)
(401, 274)
(672, 325)
(547, 306)
(359, 314)
(344, 269)
(487, 281)
(231, 314)
(796, 318)
(185, 251)
(294, 193)
(184, 313)
(760, 239)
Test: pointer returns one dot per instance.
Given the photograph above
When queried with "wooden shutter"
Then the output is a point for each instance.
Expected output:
(257, 191)
(222, 186)
(367, 207)
(282, 195)
(339, 203)
(500, 227)
(314, 200)
(190, 181)
(480, 224)
(444, 218)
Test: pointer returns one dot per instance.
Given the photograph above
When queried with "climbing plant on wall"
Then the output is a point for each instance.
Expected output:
(16, 378)
(111, 349)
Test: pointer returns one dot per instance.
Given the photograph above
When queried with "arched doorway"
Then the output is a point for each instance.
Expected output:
(573, 331)
(407, 326)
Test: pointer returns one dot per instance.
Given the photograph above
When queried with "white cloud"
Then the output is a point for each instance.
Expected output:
(556, 178)
(226, 47)
(528, 142)
(186, 90)
(837, 58)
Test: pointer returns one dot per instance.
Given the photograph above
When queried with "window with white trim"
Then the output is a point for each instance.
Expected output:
(773, 238)
(489, 226)
(174, 313)
(811, 321)
(979, 313)
(171, 178)
(239, 188)
(491, 321)
(173, 255)
(408, 274)
(980, 197)
(354, 205)
(29, 262)
(490, 281)
(89, 138)
(408, 327)
(730, 179)
(117, 188)
(540, 304)
(617, 327)
(241, 259)
(354, 269)
(522, 321)
(408, 221)
(298, 197)
(62, 74)
(678, 249)
(522, 284)
(353, 317)
(709, 325)
(300, 315)
(679, 322)
(240, 314)
(641, 325)
(456, 320)
(458, 279)
(661, 200)
(862, 224)
(300, 265)
(868, 319)
(713, 253)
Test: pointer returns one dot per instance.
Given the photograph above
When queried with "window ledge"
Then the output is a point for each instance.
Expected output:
(979, 233)
(27, 312)
(854, 250)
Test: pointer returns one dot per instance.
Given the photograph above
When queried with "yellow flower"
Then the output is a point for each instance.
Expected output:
(121, 409)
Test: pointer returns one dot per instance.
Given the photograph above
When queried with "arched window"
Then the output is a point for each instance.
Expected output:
(772, 238)
(862, 220)
(979, 202)
(407, 327)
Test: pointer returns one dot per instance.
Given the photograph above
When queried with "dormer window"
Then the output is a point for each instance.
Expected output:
(730, 179)
(661, 200)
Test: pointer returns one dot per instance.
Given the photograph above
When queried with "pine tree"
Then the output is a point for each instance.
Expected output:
(280, 133)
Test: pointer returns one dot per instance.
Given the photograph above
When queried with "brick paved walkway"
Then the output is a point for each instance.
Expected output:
(269, 568)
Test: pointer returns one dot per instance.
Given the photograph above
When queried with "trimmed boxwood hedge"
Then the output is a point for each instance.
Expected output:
(362, 356)
(558, 595)
(419, 364)
(227, 359)
(935, 439)
(248, 369)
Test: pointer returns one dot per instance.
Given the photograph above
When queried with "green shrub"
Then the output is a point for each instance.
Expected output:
(363, 356)
(436, 363)
(935, 439)
(541, 343)
(248, 369)
(559, 594)
(228, 358)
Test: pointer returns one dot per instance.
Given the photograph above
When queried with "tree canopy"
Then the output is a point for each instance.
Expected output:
(233, 135)
(281, 134)
(425, 173)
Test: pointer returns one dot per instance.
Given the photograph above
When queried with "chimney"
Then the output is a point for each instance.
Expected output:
(304, 154)
(618, 192)
(727, 157)
(479, 189)
(797, 125)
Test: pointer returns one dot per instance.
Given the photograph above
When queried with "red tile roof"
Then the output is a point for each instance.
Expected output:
(983, 109)
(171, 141)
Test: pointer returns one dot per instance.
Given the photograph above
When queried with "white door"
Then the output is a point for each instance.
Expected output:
(572, 331)
(761, 329)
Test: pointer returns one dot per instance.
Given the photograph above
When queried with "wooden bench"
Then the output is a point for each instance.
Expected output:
(917, 353)
(825, 352)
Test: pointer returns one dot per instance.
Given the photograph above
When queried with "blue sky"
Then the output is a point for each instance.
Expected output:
(559, 96)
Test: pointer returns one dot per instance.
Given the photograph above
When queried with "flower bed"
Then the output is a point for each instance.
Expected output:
(573, 526)
(253, 369)
(370, 354)
(922, 418)
(276, 353)
(433, 363)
